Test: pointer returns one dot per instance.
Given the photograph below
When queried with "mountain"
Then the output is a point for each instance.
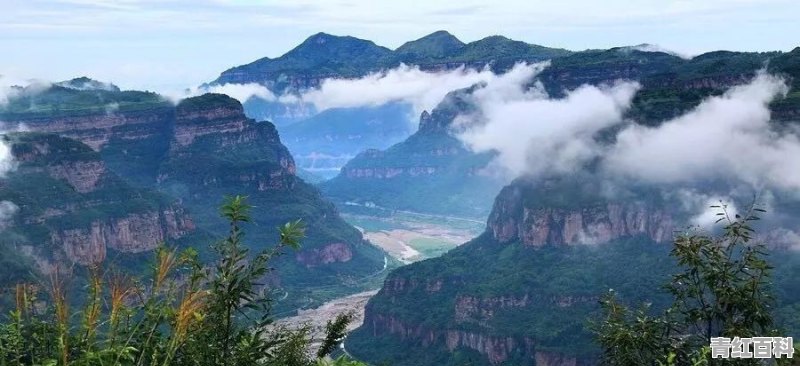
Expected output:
(522, 292)
(215, 151)
(69, 207)
(431, 171)
(318, 57)
(325, 142)
(193, 153)
(437, 45)
(324, 56)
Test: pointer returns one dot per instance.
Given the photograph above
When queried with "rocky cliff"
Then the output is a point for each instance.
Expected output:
(216, 150)
(602, 222)
(117, 189)
(431, 171)
(522, 292)
(69, 201)
(134, 233)
(544, 264)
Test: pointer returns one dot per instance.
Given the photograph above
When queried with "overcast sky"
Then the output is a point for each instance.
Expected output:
(170, 44)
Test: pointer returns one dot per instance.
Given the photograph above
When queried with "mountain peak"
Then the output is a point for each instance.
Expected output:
(498, 47)
(209, 101)
(437, 44)
(86, 83)
(321, 38)
(324, 42)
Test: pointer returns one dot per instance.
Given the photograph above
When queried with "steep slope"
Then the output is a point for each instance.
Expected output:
(216, 151)
(437, 45)
(431, 171)
(320, 56)
(130, 129)
(522, 292)
(198, 152)
(70, 208)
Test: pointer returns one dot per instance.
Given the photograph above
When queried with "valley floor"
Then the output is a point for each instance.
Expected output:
(407, 237)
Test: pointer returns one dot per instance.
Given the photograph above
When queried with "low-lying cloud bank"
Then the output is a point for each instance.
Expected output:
(422, 89)
(726, 137)
(723, 150)
(7, 162)
(534, 135)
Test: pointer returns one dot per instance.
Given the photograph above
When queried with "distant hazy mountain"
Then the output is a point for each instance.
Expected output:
(324, 56)
(411, 175)
(431, 171)
(323, 143)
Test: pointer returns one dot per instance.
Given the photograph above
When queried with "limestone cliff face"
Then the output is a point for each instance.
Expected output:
(496, 349)
(98, 128)
(81, 175)
(537, 225)
(468, 312)
(134, 233)
(83, 207)
(213, 126)
(226, 120)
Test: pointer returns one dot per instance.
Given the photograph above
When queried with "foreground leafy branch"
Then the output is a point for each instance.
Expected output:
(186, 314)
(723, 290)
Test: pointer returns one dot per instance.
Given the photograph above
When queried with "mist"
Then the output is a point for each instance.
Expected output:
(7, 211)
(533, 134)
(726, 137)
(421, 89)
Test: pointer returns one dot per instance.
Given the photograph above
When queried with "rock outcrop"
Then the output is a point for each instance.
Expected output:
(538, 225)
(66, 191)
(97, 129)
(134, 233)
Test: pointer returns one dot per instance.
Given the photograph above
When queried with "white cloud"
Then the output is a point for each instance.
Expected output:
(8, 89)
(240, 92)
(7, 211)
(533, 134)
(12, 87)
(699, 206)
(726, 137)
(7, 162)
(646, 47)
(422, 89)
(783, 238)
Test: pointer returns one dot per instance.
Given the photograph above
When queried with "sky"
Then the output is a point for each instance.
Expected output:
(167, 45)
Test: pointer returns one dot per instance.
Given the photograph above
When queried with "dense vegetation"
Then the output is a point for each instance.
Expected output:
(48, 204)
(146, 170)
(723, 290)
(49, 101)
(325, 55)
(186, 313)
(562, 287)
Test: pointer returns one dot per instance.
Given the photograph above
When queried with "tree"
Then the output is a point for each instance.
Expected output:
(186, 314)
(722, 290)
